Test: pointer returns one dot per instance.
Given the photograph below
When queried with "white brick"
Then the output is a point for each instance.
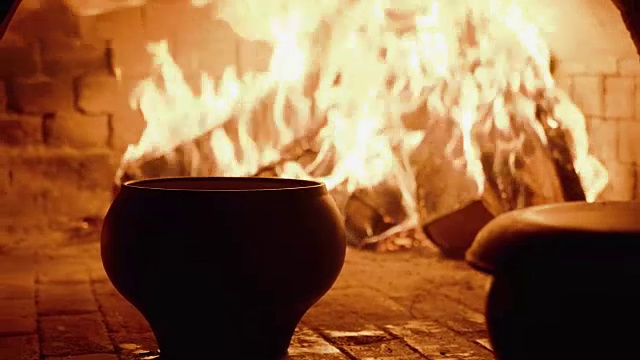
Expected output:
(565, 83)
(603, 137)
(604, 65)
(628, 142)
(589, 94)
(621, 182)
(619, 97)
(629, 66)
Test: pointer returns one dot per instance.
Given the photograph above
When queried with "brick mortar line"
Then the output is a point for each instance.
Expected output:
(64, 314)
(392, 337)
(377, 326)
(462, 334)
(328, 340)
(417, 351)
(413, 348)
(39, 330)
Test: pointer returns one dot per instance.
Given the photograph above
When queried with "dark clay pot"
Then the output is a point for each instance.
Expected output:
(565, 281)
(223, 267)
(7, 10)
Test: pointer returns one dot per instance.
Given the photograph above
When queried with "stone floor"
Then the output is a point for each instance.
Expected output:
(59, 305)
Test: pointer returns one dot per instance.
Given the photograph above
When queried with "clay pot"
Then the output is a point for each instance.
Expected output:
(223, 267)
(7, 10)
(565, 280)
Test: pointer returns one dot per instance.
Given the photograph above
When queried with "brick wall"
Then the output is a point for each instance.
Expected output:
(609, 96)
(65, 77)
(66, 71)
(56, 157)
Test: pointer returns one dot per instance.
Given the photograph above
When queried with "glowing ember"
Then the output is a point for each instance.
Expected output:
(476, 64)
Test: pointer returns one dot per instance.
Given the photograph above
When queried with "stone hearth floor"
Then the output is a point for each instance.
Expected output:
(59, 305)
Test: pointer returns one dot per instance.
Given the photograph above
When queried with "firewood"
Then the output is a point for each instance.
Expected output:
(561, 154)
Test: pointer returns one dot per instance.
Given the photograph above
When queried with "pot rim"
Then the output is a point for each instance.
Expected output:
(512, 231)
(225, 184)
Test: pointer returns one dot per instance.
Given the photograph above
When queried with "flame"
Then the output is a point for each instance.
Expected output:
(375, 62)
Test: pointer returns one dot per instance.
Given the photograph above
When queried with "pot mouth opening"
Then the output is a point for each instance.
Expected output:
(224, 184)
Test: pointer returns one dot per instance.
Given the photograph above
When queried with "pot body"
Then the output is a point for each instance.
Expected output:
(7, 10)
(565, 280)
(223, 265)
(557, 302)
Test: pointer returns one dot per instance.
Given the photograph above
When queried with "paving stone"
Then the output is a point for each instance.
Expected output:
(338, 356)
(400, 274)
(308, 345)
(326, 314)
(17, 316)
(17, 286)
(371, 334)
(11, 266)
(65, 299)
(96, 272)
(486, 343)
(388, 306)
(84, 357)
(378, 307)
(391, 349)
(74, 335)
(429, 305)
(62, 271)
(120, 315)
(133, 346)
(436, 342)
(336, 310)
(19, 348)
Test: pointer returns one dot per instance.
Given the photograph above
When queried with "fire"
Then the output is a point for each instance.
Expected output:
(476, 64)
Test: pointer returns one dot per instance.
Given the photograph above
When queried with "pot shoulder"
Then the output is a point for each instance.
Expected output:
(579, 225)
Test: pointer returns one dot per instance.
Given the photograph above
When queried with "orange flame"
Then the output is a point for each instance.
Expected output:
(461, 59)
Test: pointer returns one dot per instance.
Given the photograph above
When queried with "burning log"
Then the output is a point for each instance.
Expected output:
(513, 155)
(447, 198)
(492, 142)
(367, 212)
(561, 154)
(194, 158)
(520, 168)
(373, 211)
